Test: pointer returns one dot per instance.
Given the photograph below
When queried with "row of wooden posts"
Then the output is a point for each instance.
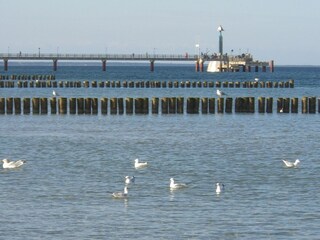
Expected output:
(27, 77)
(146, 84)
(166, 105)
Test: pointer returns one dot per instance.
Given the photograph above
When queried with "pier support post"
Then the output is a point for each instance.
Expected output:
(197, 66)
(271, 66)
(201, 65)
(104, 65)
(55, 64)
(264, 68)
(152, 65)
(5, 64)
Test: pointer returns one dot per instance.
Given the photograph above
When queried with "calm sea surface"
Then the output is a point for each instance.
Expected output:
(74, 163)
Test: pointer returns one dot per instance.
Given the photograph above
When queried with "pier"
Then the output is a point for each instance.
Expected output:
(155, 105)
(233, 63)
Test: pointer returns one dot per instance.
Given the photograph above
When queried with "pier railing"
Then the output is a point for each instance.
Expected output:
(124, 57)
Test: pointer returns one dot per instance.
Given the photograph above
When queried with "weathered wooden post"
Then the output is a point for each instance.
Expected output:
(180, 105)
(145, 105)
(80, 105)
(95, 106)
(193, 105)
(120, 106)
(9, 103)
(164, 106)
(261, 104)
(228, 105)
(218, 84)
(26, 106)
(2, 105)
(155, 105)
(172, 105)
(204, 105)
(286, 105)
(251, 105)
(220, 105)
(294, 105)
(129, 106)
(113, 106)
(304, 104)
(63, 105)
(312, 104)
(280, 105)
(212, 105)
(87, 105)
(73, 105)
(17, 106)
(36, 106)
(104, 106)
(269, 105)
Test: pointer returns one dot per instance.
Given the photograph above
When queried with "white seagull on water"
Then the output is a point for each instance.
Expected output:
(54, 93)
(129, 180)
(219, 188)
(174, 185)
(291, 164)
(121, 195)
(220, 93)
(138, 164)
(12, 164)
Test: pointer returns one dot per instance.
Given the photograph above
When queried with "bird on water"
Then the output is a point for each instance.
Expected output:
(174, 185)
(138, 164)
(291, 164)
(121, 195)
(220, 93)
(12, 164)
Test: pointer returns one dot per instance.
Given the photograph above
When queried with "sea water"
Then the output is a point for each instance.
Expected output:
(75, 163)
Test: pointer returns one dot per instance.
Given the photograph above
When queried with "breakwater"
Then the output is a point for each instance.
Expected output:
(166, 105)
(144, 84)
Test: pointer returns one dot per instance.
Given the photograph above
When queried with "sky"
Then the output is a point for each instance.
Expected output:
(285, 31)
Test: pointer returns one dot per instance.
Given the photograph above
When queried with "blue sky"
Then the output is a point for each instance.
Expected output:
(286, 31)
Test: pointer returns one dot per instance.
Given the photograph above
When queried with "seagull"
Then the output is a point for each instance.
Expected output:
(291, 164)
(281, 110)
(138, 164)
(256, 79)
(54, 93)
(220, 93)
(129, 180)
(12, 164)
(174, 185)
(121, 195)
(219, 188)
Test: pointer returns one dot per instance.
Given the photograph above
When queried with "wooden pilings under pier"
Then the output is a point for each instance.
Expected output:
(35, 83)
(166, 105)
